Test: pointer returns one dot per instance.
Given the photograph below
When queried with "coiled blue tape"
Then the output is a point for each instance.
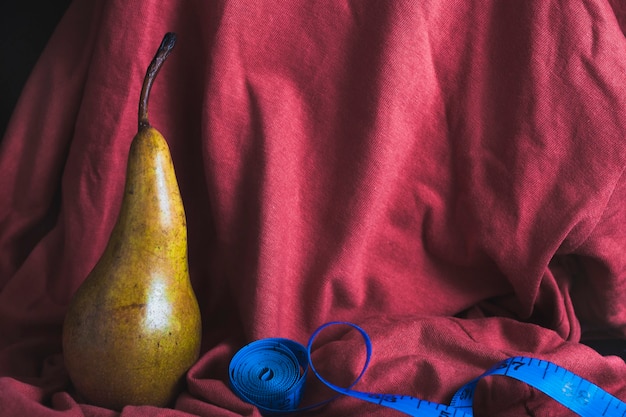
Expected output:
(271, 374)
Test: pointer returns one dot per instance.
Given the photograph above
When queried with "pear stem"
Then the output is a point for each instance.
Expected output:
(167, 44)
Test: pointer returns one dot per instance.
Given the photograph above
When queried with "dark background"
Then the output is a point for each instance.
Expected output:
(25, 27)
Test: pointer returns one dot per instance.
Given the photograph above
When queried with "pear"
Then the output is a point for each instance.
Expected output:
(132, 329)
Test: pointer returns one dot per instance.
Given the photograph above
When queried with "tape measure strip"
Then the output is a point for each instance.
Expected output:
(569, 389)
(270, 374)
(259, 376)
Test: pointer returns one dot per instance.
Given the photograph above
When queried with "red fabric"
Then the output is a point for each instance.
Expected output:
(447, 175)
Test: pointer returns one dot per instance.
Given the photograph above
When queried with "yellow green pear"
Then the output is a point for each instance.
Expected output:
(132, 330)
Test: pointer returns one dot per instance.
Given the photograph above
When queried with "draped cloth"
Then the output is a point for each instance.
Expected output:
(446, 175)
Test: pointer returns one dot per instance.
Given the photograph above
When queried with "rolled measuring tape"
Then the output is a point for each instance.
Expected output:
(271, 374)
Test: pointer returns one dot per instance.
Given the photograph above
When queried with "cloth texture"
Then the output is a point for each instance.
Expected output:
(447, 175)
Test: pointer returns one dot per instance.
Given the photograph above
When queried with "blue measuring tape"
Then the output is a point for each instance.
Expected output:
(270, 374)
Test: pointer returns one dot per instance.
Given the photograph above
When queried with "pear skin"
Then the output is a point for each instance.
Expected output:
(133, 328)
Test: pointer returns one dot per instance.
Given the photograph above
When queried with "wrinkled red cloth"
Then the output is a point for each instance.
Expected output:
(447, 175)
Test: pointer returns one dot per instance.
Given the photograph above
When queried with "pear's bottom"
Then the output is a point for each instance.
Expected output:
(125, 344)
(129, 364)
(114, 385)
(116, 398)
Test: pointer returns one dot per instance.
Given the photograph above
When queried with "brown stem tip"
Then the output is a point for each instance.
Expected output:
(167, 44)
